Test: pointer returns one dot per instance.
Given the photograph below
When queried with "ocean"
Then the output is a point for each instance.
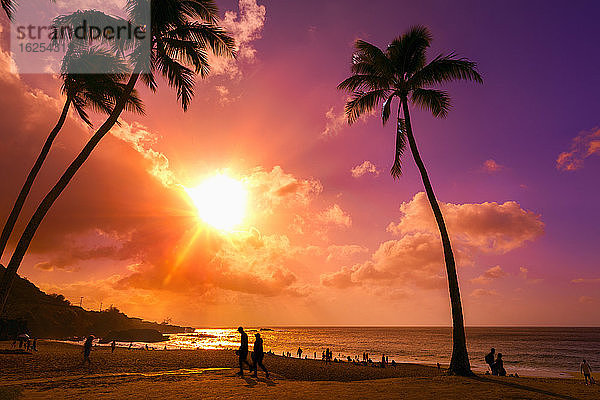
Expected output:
(528, 351)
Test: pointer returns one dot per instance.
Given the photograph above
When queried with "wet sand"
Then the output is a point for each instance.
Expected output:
(55, 371)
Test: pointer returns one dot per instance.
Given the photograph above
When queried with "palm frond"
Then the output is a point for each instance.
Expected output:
(396, 170)
(205, 10)
(371, 60)
(446, 68)
(363, 102)
(407, 52)
(178, 76)
(208, 36)
(386, 109)
(436, 101)
(360, 82)
(9, 7)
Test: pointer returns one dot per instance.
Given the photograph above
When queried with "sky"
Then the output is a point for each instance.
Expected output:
(329, 238)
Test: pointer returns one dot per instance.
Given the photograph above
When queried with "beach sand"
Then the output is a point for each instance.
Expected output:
(55, 372)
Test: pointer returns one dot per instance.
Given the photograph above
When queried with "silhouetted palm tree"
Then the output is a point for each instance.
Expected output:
(402, 72)
(182, 32)
(9, 7)
(88, 89)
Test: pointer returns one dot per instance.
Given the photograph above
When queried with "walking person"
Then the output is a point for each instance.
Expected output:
(242, 352)
(112, 346)
(586, 370)
(87, 349)
(258, 354)
(299, 352)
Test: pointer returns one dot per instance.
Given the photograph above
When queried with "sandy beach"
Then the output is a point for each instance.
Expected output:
(55, 372)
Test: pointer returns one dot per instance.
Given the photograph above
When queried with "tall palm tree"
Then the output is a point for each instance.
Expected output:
(86, 90)
(401, 71)
(182, 32)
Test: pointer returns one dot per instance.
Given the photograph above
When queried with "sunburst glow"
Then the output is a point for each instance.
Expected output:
(220, 201)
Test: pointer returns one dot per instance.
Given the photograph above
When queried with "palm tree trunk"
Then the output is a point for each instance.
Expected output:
(459, 364)
(48, 201)
(16, 210)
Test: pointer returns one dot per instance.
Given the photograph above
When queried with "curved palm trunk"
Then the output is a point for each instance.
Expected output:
(48, 201)
(459, 364)
(16, 210)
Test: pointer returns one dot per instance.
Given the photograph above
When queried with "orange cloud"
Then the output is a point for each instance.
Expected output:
(334, 215)
(490, 275)
(416, 258)
(477, 293)
(583, 146)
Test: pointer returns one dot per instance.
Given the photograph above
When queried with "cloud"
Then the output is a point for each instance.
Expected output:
(492, 166)
(490, 275)
(367, 167)
(245, 26)
(334, 123)
(416, 258)
(586, 299)
(490, 227)
(278, 188)
(585, 144)
(341, 252)
(478, 293)
(586, 280)
(336, 216)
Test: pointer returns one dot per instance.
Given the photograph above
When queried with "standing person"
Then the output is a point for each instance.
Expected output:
(35, 344)
(489, 358)
(258, 354)
(87, 349)
(243, 351)
(586, 370)
(299, 352)
(112, 346)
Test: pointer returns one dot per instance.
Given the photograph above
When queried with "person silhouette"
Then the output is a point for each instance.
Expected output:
(258, 354)
(586, 370)
(87, 348)
(243, 351)
(489, 358)
(299, 352)
(112, 346)
(498, 366)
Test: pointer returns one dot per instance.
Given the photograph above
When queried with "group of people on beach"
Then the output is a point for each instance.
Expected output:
(258, 354)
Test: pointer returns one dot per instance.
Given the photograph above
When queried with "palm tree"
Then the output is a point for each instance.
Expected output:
(9, 8)
(402, 72)
(89, 89)
(182, 32)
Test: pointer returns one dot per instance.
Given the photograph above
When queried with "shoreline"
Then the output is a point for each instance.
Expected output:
(523, 372)
(55, 371)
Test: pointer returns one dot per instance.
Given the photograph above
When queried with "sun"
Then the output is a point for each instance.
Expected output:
(220, 201)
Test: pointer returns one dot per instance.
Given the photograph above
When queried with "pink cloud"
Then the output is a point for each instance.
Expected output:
(584, 145)
(367, 167)
(490, 227)
(492, 166)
